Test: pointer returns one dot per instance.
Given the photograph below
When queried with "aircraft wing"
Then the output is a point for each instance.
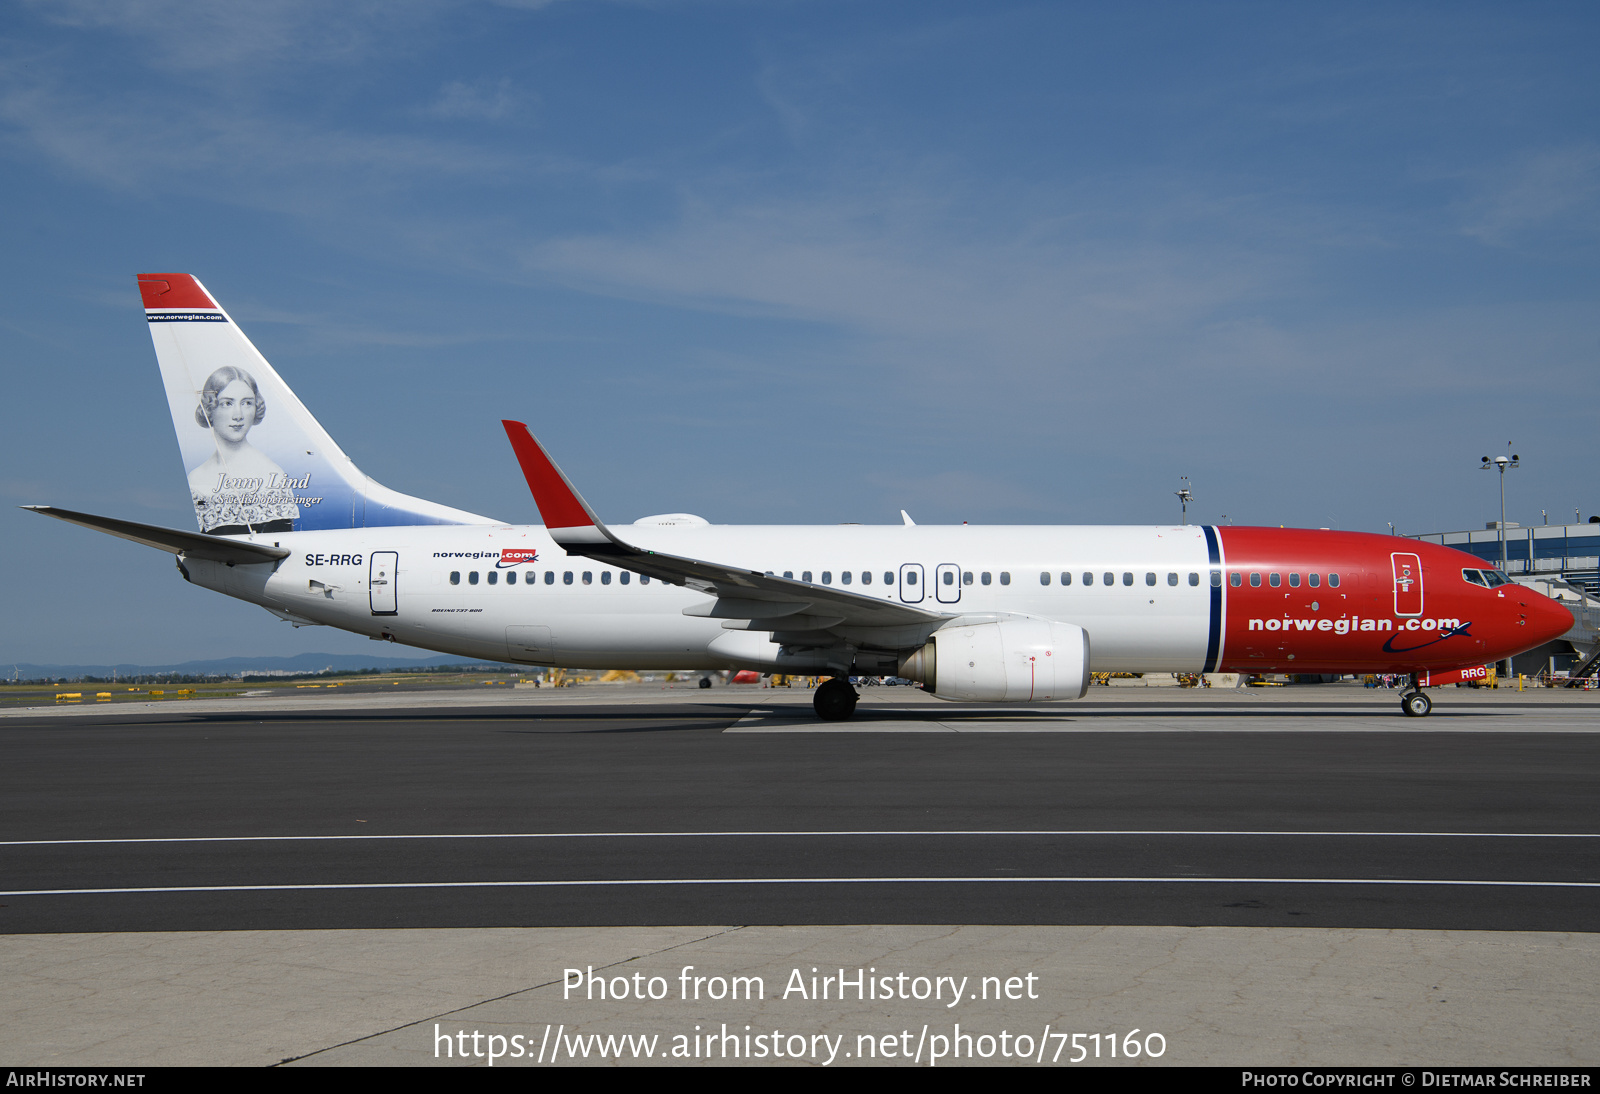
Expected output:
(768, 601)
(187, 544)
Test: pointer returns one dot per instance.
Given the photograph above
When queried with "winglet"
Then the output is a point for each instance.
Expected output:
(566, 515)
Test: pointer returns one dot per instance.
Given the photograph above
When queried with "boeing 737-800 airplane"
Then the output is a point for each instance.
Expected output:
(980, 614)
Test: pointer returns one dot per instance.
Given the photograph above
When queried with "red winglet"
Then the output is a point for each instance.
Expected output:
(174, 290)
(559, 504)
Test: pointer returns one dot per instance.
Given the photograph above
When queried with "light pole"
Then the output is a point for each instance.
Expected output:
(1184, 498)
(1500, 463)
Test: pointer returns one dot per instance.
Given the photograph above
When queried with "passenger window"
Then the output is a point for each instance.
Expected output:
(493, 577)
(472, 577)
(1233, 579)
(1005, 577)
(888, 577)
(911, 577)
(1044, 578)
(827, 577)
(1333, 581)
(1194, 579)
(789, 574)
(588, 577)
(549, 577)
(949, 577)
(455, 577)
(844, 577)
(566, 578)
(1108, 579)
(1294, 581)
(1172, 579)
(511, 578)
(866, 577)
(1150, 579)
(605, 577)
(1255, 581)
(1088, 578)
(644, 579)
(1127, 578)
(985, 578)
(624, 577)
(805, 575)
(966, 577)
(1216, 579)
(1274, 580)
(1066, 578)
(1313, 580)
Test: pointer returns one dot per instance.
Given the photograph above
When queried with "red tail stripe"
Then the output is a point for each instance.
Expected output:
(174, 290)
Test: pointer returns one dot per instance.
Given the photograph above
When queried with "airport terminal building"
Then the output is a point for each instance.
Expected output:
(1547, 557)
(1569, 552)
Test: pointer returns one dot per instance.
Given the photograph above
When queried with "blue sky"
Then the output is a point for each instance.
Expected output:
(801, 263)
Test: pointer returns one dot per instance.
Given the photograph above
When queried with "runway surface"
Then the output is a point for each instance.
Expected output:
(1152, 808)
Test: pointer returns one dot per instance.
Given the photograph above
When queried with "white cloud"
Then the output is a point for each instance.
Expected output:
(1557, 187)
(482, 100)
(225, 38)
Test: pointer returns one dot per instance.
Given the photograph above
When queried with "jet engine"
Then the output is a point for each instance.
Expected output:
(1009, 661)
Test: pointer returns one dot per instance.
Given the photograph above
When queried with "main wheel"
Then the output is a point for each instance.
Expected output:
(1416, 704)
(835, 700)
(705, 681)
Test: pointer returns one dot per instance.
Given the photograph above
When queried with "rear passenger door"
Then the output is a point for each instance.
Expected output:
(381, 584)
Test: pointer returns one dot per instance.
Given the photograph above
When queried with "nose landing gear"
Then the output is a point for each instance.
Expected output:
(1414, 702)
(835, 700)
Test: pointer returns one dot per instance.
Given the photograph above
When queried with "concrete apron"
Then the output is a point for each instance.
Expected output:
(1217, 995)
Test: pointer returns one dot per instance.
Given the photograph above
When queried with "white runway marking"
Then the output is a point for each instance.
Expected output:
(765, 834)
(1194, 720)
(806, 881)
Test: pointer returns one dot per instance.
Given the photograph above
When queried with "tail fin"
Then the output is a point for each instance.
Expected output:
(257, 460)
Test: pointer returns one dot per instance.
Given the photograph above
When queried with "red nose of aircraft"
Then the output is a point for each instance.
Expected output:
(1546, 619)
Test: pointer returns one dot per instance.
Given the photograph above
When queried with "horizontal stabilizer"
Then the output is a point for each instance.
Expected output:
(187, 544)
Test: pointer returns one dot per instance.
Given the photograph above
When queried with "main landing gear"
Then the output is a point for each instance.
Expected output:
(1414, 702)
(835, 700)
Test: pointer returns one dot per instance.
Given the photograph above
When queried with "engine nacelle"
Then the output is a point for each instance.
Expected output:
(1010, 661)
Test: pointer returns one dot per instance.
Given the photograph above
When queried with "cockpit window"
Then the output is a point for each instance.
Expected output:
(1474, 577)
(1491, 578)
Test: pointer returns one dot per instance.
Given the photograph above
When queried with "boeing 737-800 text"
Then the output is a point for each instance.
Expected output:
(980, 614)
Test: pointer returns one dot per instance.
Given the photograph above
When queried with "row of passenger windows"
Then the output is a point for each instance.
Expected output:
(493, 576)
(1275, 580)
(968, 577)
(948, 577)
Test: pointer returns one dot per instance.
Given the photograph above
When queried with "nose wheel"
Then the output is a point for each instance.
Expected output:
(1416, 704)
(835, 700)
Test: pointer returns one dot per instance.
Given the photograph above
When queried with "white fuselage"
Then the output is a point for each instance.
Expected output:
(1151, 616)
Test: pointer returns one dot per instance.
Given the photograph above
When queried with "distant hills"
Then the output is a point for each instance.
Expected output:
(232, 666)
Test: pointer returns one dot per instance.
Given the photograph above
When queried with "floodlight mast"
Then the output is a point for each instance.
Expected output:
(1184, 497)
(1500, 463)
